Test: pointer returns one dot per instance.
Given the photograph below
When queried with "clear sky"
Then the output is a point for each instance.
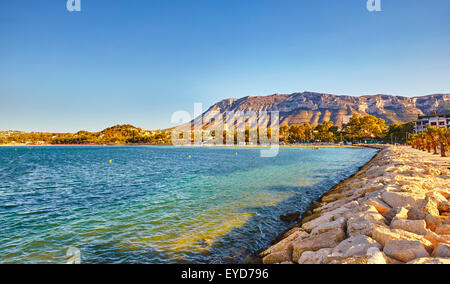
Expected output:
(136, 61)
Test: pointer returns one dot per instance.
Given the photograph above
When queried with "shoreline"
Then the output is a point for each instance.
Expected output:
(394, 209)
(256, 257)
(315, 203)
(358, 146)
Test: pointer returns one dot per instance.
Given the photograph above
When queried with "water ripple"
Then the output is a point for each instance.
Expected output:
(152, 204)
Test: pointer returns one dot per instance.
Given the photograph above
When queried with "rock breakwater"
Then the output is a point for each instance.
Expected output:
(395, 210)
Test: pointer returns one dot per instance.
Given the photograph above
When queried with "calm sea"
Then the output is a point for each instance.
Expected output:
(156, 204)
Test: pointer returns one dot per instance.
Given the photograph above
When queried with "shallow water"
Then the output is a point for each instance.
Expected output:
(155, 204)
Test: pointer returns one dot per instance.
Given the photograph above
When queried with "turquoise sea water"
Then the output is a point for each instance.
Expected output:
(155, 204)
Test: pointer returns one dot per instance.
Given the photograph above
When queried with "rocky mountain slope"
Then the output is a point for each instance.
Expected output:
(315, 108)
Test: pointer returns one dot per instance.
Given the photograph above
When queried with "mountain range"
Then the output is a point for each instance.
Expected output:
(315, 108)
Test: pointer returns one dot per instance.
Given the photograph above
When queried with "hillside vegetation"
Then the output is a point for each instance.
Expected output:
(359, 128)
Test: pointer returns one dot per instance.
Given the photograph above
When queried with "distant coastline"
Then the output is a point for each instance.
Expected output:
(205, 146)
(366, 129)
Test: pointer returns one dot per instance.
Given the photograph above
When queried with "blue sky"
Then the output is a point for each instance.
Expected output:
(136, 61)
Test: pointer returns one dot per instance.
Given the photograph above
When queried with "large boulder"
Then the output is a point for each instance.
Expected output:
(286, 234)
(404, 250)
(430, 206)
(315, 257)
(402, 214)
(362, 223)
(444, 207)
(373, 256)
(333, 197)
(376, 256)
(354, 246)
(413, 226)
(402, 199)
(432, 222)
(430, 260)
(372, 187)
(443, 229)
(324, 227)
(442, 250)
(351, 260)
(436, 239)
(379, 205)
(286, 244)
(416, 214)
(329, 239)
(383, 234)
(343, 203)
(277, 257)
(325, 218)
(437, 196)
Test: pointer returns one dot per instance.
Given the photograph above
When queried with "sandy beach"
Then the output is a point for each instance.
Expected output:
(395, 210)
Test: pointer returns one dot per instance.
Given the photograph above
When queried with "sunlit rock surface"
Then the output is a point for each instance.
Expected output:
(395, 210)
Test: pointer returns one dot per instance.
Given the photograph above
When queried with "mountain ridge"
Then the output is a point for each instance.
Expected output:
(315, 108)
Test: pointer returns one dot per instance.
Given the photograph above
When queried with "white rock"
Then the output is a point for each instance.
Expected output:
(354, 246)
(285, 244)
(429, 260)
(438, 197)
(362, 223)
(328, 239)
(376, 256)
(325, 218)
(442, 250)
(413, 226)
(402, 214)
(381, 207)
(404, 250)
(436, 239)
(315, 257)
(402, 199)
(277, 257)
(324, 227)
(443, 229)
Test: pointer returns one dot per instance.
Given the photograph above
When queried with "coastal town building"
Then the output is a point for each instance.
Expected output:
(435, 120)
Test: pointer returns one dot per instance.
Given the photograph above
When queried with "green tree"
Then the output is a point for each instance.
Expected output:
(299, 133)
(324, 132)
(399, 132)
(367, 126)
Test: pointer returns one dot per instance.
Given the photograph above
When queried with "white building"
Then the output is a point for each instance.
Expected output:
(437, 120)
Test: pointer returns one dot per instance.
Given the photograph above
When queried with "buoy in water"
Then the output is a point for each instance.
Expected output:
(189, 156)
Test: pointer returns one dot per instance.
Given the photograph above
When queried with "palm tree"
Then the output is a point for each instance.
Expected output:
(421, 141)
(411, 140)
(444, 140)
(428, 140)
(418, 142)
(432, 139)
(414, 141)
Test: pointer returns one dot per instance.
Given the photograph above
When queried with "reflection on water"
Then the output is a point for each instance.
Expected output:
(154, 204)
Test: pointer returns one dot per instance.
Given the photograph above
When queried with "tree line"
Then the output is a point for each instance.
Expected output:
(431, 139)
(358, 129)
(119, 134)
